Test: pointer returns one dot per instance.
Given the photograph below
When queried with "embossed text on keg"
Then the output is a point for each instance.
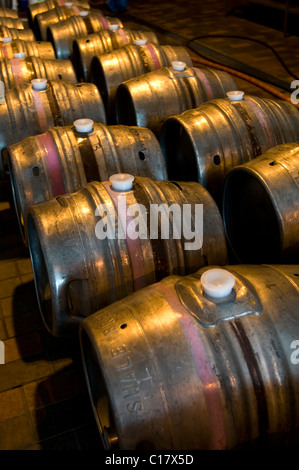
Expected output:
(295, 353)
(2, 353)
(135, 221)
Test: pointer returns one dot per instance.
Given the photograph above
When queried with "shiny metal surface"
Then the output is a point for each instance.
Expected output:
(149, 99)
(13, 72)
(15, 23)
(86, 47)
(58, 14)
(169, 368)
(44, 50)
(28, 112)
(76, 272)
(79, 158)
(8, 13)
(41, 7)
(23, 34)
(202, 144)
(109, 70)
(261, 207)
(63, 34)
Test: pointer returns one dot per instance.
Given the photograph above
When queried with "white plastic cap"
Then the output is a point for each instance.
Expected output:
(122, 181)
(235, 95)
(68, 4)
(178, 66)
(83, 125)
(19, 55)
(217, 283)
(113, 27)
(8, 39)
(39, 84)
(140, 42)
(84, 13)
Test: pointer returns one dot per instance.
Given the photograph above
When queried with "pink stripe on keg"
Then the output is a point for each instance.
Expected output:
(260, 114)
(123, 35)
(18, 66)
(41, 114)
(202, 76)
(104, 22)
(134, 246)
(154, 56)
(53, 163)
(204, 369)
(4, 52)
(75, 10)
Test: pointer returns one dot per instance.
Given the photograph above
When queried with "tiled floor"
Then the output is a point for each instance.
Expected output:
(44, 402)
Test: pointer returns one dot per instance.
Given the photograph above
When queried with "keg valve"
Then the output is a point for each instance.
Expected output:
(235, 95)
(122, 181)
(83, 125)
(217, 283)
(178, 66)
(7, 39)
(39, 84)
(19, 55)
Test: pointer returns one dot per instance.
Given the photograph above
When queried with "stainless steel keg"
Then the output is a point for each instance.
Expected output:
(30, 111)
(15, 23)
(44, 50)
(86, 47)
(63, 34)
(43, 20)
(149, 99)
(15, 71)
(63, 159)
(177, 365)
(89, 249)
(109, 70)
(261, 207)
(23, 34)
(41, 7)
(202, 144)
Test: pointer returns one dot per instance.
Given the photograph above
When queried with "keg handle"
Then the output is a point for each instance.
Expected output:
(2, 92)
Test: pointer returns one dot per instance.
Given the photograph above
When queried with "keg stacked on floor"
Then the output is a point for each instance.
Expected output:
(180, 350)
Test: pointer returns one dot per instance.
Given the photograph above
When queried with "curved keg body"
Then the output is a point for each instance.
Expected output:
(13, 72)
(62, 160)
(8, 13)
(15, 23)
(63, 34)
(149, 99)
(43, 20)
(171, 368)
(203, 144)
(30, 112)
(79, 268)
(260, 207)
(23, 34)
(44, 50)
(86, 47)
(38, 8)
(109, 70)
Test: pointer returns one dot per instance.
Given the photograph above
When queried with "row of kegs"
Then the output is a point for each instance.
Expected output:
(169, 238)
